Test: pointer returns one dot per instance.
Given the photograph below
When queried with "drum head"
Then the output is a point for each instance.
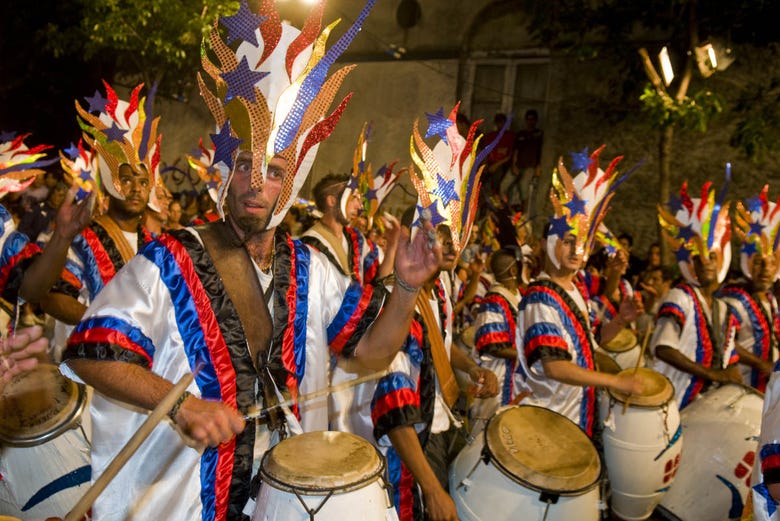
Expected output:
(321, 462)
(658, 389)
(38, 406)
(623, 341)
(604, 363)
(542, 449)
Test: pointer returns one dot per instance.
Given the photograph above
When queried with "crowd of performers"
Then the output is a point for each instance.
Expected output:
(455, 306)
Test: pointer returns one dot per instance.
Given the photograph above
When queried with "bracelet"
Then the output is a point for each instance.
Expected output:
(404, 285)
(176, 406)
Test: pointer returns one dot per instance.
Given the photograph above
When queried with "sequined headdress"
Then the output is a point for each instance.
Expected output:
(122, 132)
(581, 202)
(273, 92)
(373, 188)
(757, 224)
(201, 159)
(698, 226)
(448, 182)
(80, 164)
(18, 164)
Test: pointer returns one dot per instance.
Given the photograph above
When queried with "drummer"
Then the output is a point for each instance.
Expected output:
(21, 353)
(752, 301)
(693, 342)
(553, 326)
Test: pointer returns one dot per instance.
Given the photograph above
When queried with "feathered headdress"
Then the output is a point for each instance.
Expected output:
(273, 92)
(698, 226)
(122, 132)
(201, 160)
(448, 182)
(580, 203)
(81, 165)
(19, 165)
(757, 224)
(372, 188)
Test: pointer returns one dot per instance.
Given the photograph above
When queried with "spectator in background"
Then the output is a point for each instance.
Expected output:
(526, 161)
(40, 216)
(174, 216)
(635, 264)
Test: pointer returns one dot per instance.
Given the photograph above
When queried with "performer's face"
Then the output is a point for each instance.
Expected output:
(249, 208)
(706, 269)
(763, 269)
(134, 184)
(353, 206)
(569, 255)
(449, 256)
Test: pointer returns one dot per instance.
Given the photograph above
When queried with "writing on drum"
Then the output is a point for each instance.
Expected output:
(509, 442)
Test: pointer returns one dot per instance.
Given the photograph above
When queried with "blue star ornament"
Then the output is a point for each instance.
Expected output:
(438, 125)
(682, 254)
(72, 151)
(97, 103)
(85, 175)
(749, 248)
(436, 217)
(242, 25)
(370, 194)
(580, 160)
(242, 81)
(686, 233)
(559, 226)
(576, 205)
(756, 228)
(674, 204)
(753, 204)
(114, 133)
(446, 190)
(7, 136)
(225, 145)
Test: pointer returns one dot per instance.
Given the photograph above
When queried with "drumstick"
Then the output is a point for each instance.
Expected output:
(258, 413)
(159, 412)
(639, 361)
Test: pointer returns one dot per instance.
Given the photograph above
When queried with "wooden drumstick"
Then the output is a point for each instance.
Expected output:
(132, 445)
(639, 361)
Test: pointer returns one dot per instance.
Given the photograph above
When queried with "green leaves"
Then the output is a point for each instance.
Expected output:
(692, 112)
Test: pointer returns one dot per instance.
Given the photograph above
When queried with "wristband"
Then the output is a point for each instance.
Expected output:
(176, 406)
(404, 285)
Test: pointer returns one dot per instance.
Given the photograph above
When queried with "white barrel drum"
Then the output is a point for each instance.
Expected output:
(624, 349)
(531, 464)
(323, 475)
(44, 447)
(721, 436)
(642, 443)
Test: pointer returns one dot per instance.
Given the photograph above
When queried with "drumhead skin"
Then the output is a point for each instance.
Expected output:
(604, 363)
(38, 406)
(322, 461)
(542, 449)
(658, 389)
(623, 341)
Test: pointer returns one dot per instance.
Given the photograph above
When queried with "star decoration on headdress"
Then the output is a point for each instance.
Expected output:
(241, 82)
(7, 135)
(225, 145)
(437, 125)
(85, 175)
(242, 25)
(756, 228)
(212, 184)
(611, 250)
(352, 184)
(559, 226)
(749, 248)
(674, 204)
(682, 254)
(446, 190)
(114, 133)
(195, 152)
(97, 103)
(576, 205)
(580, 160)
(754, 204)
(370, 194)
(72, 151)
(686, 233)
(436, 217)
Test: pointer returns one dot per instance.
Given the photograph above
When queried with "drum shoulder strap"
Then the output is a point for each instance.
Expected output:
(441, 362)
(115, 232)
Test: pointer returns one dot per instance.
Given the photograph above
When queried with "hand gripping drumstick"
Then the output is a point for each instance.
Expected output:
(132, 445)
(256, 412)
(639, 361)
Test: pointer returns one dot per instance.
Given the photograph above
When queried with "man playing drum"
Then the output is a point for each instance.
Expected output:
(693, 340)
(553, 326)
(250, 311)
(411, 405)
(752, 302)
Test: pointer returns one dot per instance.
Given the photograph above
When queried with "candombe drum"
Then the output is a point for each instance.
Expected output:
(604, 362)
(624, 349)
(721, 432)
(323, 475)
(642, 444)
(44, 446)
(530, 463)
